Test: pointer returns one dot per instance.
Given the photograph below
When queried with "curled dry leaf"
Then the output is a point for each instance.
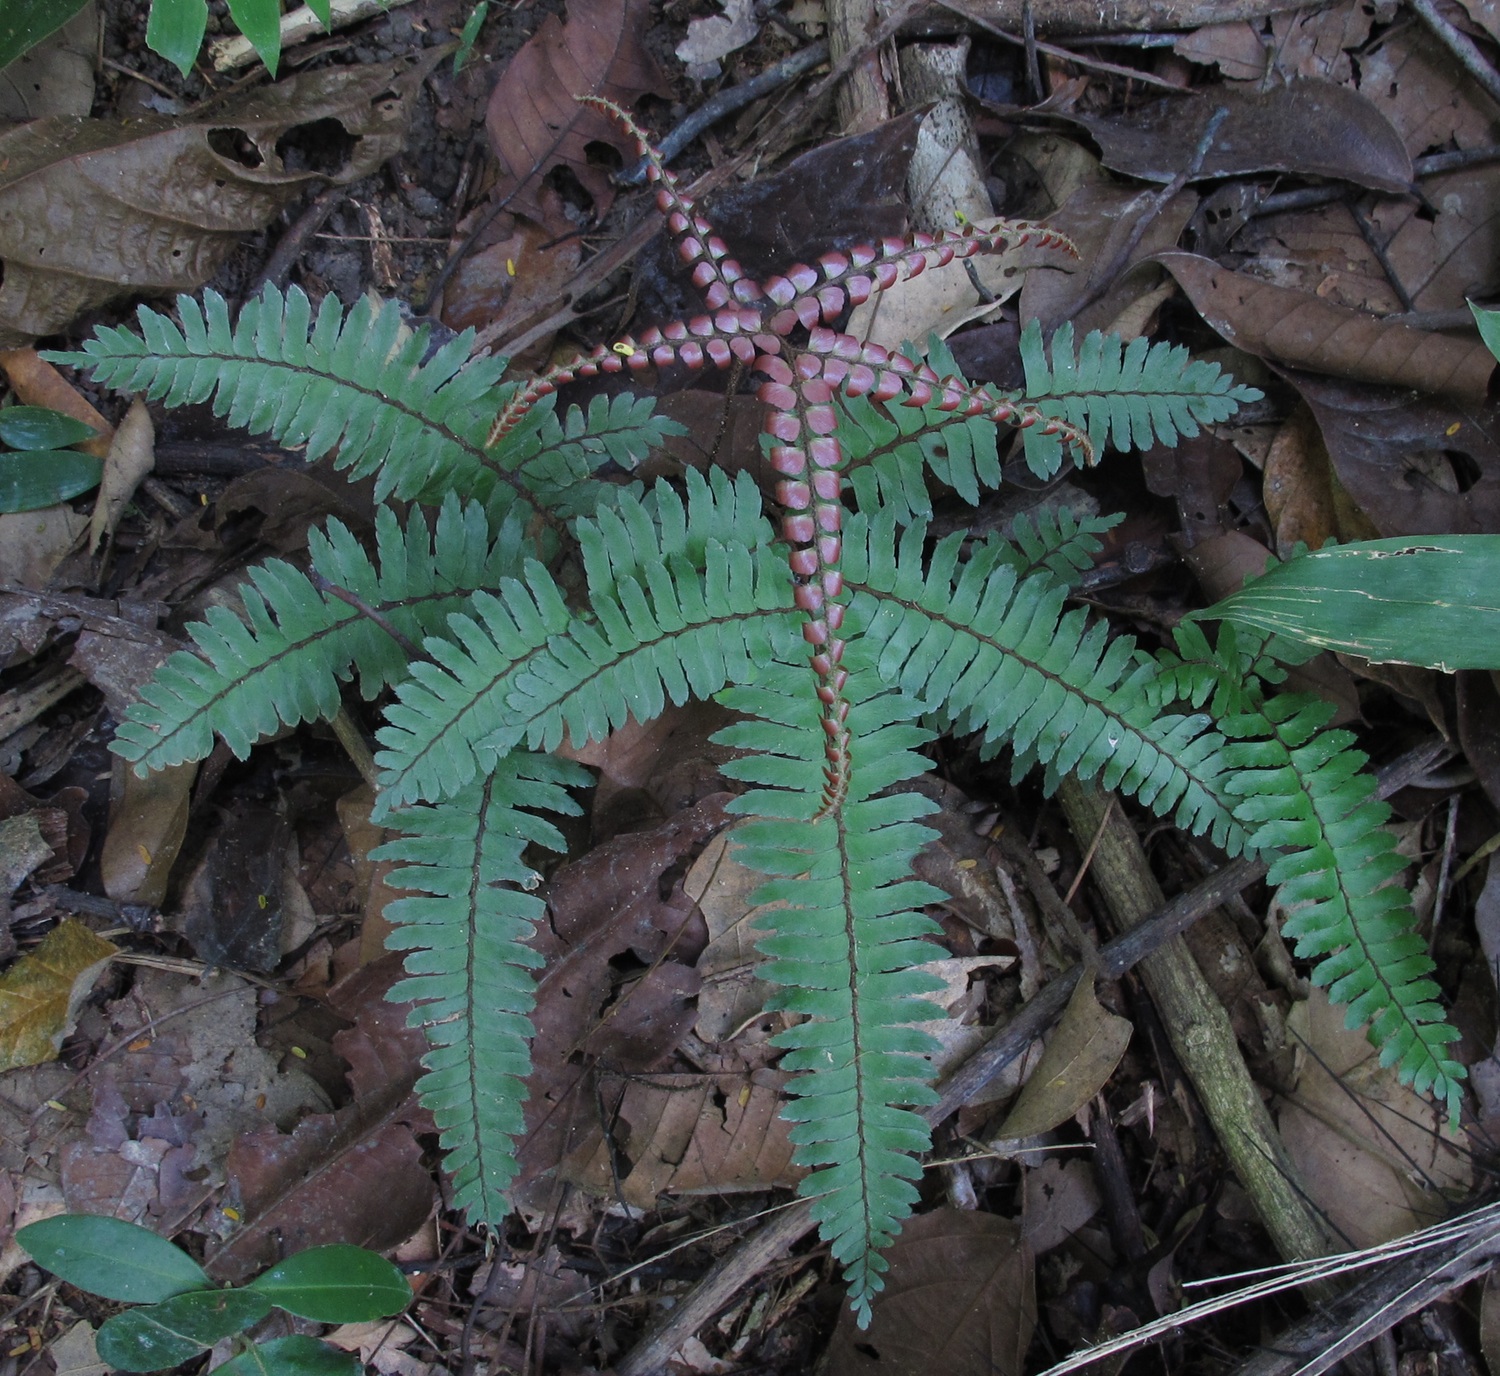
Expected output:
(91, 209)
(719, 35)
(1262, 131)
(147, 822)
(1306, 332)
(960, 1298)
(1080, 1057)
(132, 456)
(41, 993)
(722, 887)
(534, 120)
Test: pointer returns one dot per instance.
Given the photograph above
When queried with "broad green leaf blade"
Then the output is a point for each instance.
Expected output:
(175, 30)
(176, 1330)
(1489, 327)
(294, 1356)
(112, 1258)
(1432, 601)
(24, 23)
(323, 9)
(44, 477)
(260, 22)
(335, 1284)
(35, 427)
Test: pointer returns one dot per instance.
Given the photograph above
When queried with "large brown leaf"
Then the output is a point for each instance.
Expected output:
(960, 1299)
(1307, 332)
(1263, 131)
(535, 122)
(92, 209)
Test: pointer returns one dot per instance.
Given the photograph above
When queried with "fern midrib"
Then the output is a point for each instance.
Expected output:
(1209, 786)
(883, 450)
(857, 1025)
(476, 884)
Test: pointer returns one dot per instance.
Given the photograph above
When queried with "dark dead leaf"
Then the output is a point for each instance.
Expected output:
(1414, 465)
(535, 122)
(1427, 97)
(1444, 260)
(1306, 332)
(57, 76)
(384, 1053)
(1200, 473)
(232, 902)
(722, 887)
(1060, 1197)
(91, 209)
(1303, 43)
(960, 1299)
(619, 985)
(148, 820)
(356, 1176)
(1080, 1057)
(1479, 728)
(1264, 131)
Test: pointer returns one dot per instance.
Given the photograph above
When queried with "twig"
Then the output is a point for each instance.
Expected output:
(1461, 46)
(1373, 243)
(726, 102)
(278, 267)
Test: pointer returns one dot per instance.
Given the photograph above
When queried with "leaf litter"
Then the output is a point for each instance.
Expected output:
(185, 1097)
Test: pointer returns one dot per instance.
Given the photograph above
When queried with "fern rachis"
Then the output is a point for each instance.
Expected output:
(827, 621)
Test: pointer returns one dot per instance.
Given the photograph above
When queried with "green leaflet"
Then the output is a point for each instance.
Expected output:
(468, 962)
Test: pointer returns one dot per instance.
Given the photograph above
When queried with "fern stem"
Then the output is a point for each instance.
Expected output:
(355, 746)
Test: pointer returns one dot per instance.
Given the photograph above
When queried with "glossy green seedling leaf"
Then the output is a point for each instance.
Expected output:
(112, 1258)
(335, 1284)
(44, 477)
(35, 427)
(178, 1329)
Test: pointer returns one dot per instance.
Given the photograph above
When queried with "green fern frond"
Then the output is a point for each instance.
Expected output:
(1058, 541)
(467, 961)
(360, 384)
(669, 615)
(284, 662)
(1133, 395)
(1309, 805)
(1002, 657)
(1228, 675)
(846, 931)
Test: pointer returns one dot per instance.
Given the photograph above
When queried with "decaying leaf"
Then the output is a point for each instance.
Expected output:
(960, 1299)
(91, 209)
(132, 456)
(146, 827)
(1262, 131)
(717, 36)
(57, 76)
(40, 994)
(1370, 1153)
(1310, 333)
(721, 887)
(688, 1134)
(535, 122)
(1080, 1057)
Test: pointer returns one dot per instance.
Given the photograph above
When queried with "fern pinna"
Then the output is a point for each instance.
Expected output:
(551, 602)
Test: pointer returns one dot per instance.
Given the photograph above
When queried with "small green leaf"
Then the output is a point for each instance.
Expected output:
(260, 22)
(323, 10)
(177, 1329)
(35, 478)
(35, 427)
(294, 1356)
(175, 30)
(24, 23)
(1432, 601)
(336, 1284)
(470, 34)
(1489, 327)
(112, 1258)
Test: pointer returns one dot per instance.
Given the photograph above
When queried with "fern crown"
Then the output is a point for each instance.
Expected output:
(556, 600)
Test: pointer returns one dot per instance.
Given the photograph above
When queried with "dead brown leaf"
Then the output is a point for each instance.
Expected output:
(1301, 44)
(91, 209)
(38, 383)
(1299, 486)
(1263, 131)
(1443, 261)
(131, 458)
(147, 823)
(534, 120)
(41, 993)
(1059, 1198)
(1428, 98)
(1306, 332)
(960, 1299)
(1371, 1154)
(1080, 1057)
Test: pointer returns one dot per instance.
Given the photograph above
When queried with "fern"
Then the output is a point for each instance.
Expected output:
(1132, 395)
(469, 963)
(561, 600)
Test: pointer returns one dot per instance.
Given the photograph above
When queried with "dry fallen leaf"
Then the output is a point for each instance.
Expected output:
(1080, 1057)
(960, 1299)
(132, 456)
(535, 121)
(146, 827)
(41, 993)
(721, 887)
(1370, 1153)
(1306, 332)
